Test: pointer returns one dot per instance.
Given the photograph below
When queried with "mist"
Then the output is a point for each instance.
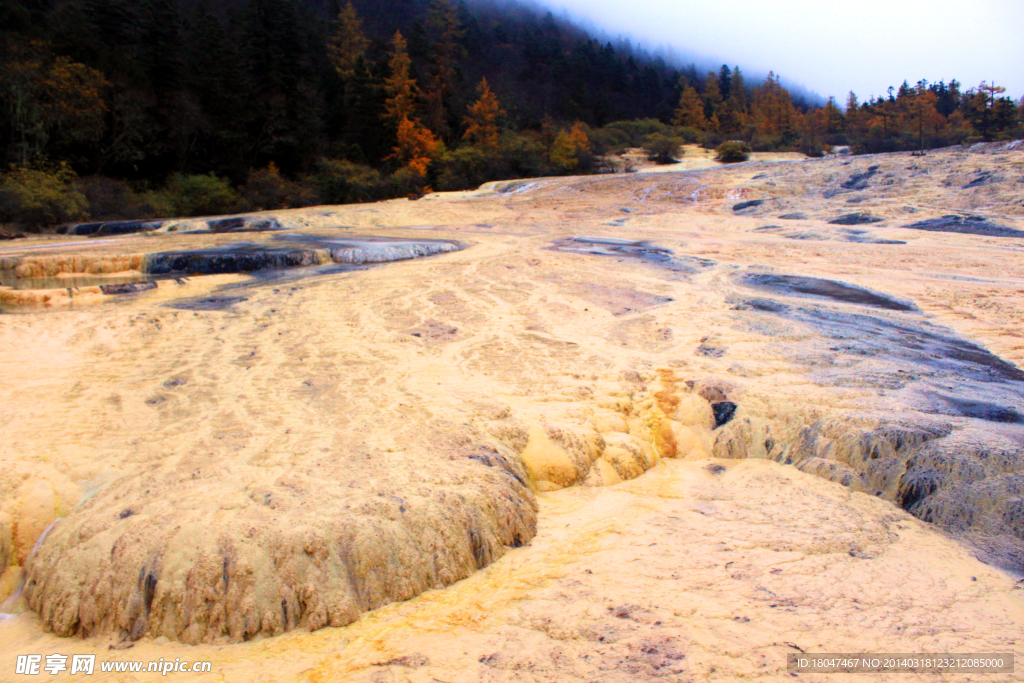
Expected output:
(829, 48)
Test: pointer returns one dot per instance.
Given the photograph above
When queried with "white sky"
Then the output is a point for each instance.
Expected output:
(831, 47)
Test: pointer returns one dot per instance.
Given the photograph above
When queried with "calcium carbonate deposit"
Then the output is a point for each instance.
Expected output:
(655, 426)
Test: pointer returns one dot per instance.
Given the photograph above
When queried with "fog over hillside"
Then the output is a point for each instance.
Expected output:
(831, 48)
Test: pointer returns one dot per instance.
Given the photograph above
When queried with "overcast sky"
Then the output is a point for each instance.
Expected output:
(831, 47)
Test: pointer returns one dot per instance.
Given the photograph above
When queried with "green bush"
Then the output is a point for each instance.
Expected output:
(812, 147)
(524, 154)
(342, 182)
(201, 195)
(635, 132)
(663, 149)
(156, 204)
(407, 182)
(690, 135)
(733, 151)
(41, 197)
(464, 168)
(111, 199)
(765, 143)
(267, 189)
(610, 140)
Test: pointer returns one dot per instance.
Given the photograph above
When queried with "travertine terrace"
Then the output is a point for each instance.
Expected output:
(621, 427)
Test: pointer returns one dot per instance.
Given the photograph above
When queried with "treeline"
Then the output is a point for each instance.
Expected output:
(925, 116)
(122, 109)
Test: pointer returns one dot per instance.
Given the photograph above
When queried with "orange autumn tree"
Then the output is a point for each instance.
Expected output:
(773, 108)
(570, 148)
(415, 145)
(690, 112)
(924, 114)
(482, 120)
(415, 148)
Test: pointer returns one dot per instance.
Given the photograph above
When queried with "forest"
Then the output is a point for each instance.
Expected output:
(120, 109)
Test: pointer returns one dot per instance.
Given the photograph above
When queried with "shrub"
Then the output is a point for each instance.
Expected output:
(303, 192)
(343, 182)
(636, 132)
(267, 189)
(733, 151)
(524, 154)
(111, 199)
(690, 135)
(408, 182)
(610, 140)
(41, 197)
(464, 168)
(156, 204)
(663, 149)
(571, 150)
(812, 147)
(712, 141)
(202, 195)
(764, 143)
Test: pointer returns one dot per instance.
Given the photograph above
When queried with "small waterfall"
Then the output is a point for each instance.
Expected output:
(12, 600)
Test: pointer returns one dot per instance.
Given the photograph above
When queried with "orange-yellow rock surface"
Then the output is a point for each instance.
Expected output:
(518, 461)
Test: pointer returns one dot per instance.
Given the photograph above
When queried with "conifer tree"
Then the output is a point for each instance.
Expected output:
(364, 104)
(833, 121)
(773, 109)
(482, 120)
(738, 91)
(444, 25)
(690, 112)
(724, 81)
(347, 43)
(924, 113)
(414, 144)
(712, 100)
(736, 115)
(414, 148)
(399, 85)
(221, 88)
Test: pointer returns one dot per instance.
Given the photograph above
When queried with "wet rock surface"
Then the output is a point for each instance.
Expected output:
(859, 181)
(981, 178)
(240, 258)
(828, 234)
(208, 303)
(108, 228)
(855, 219)
(743, 206)
(724, 412)
(965, 225)
(244, 224)
(248, 257)
(827, 289)
(643, 251)
(356, 250)
(954, 454)
(128, 288)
